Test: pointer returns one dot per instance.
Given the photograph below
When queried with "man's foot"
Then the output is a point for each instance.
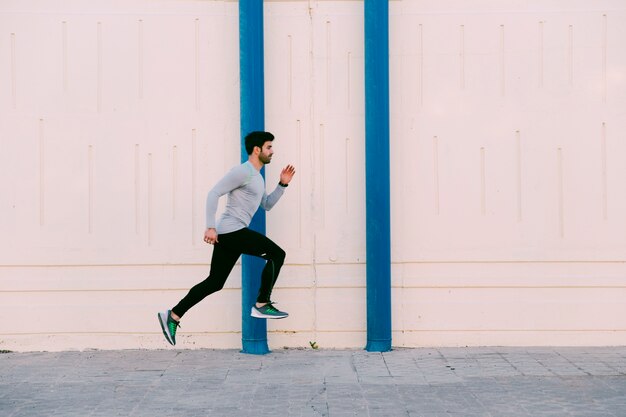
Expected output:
(168, 325)
(268, 311)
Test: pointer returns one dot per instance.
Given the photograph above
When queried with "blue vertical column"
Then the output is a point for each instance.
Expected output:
(252, 95)
(377, 164)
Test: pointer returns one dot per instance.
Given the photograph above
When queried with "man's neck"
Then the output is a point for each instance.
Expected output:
(256, 163)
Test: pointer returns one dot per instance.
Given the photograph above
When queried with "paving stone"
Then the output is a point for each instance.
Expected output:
(430, 382)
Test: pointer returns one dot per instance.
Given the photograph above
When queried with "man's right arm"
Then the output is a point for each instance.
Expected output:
(210, 236)
(234, 179)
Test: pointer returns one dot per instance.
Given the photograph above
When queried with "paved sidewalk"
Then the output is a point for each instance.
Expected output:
(335, 383)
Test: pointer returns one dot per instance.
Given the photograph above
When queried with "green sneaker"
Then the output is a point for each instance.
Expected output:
(268, 311)
(168, 325)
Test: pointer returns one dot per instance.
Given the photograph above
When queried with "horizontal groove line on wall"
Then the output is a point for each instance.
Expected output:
(452, 262)
(529, 261)
(405, 13)
(186, 333)
(505, 287)
(329, 331)
(143, 13)
(138, 265)
(507, 330)
(106, 333)
(56, 290)
(424, 287)
(392, 12)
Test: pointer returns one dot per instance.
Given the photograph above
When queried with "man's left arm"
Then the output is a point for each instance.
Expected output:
(286, 175)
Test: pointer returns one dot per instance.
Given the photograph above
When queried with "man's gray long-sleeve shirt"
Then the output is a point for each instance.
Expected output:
(246, 192)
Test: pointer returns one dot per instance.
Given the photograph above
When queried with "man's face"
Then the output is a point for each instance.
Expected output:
(266, 153)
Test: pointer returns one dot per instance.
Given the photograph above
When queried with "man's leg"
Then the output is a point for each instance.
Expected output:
(222, 263)
(256, 244)
(275, 259)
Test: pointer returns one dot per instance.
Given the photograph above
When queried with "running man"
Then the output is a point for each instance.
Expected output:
(231, 237)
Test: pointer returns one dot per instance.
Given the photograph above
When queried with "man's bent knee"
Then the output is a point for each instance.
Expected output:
(279, 257)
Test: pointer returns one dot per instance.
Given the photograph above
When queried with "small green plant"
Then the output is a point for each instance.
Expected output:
(314, 345)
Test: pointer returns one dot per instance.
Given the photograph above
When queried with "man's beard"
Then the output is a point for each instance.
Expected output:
(265, 159)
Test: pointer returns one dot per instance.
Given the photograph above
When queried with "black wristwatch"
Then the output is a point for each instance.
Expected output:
(283, 185)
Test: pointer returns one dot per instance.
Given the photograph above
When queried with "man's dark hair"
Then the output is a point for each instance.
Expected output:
(257, 139)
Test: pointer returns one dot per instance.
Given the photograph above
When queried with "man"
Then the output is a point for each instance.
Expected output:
(231, 237)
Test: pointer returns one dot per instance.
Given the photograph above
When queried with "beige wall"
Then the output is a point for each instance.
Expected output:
(508, 157)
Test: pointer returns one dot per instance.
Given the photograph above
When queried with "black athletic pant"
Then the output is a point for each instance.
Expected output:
(226, 251)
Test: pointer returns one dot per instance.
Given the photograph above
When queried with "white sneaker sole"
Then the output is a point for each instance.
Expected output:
(258, 315)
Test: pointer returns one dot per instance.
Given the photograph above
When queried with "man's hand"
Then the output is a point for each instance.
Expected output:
(287, 174)
(210, 236)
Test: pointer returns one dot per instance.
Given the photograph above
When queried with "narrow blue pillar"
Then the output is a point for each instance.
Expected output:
(253, 331)
(377, 195)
